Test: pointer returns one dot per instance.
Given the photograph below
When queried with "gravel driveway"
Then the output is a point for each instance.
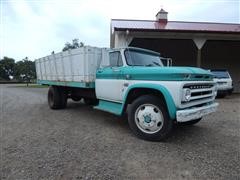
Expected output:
(82, 143)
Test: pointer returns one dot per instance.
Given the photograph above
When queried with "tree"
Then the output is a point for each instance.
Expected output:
(7, 68)
(75, 44)
(25, 70)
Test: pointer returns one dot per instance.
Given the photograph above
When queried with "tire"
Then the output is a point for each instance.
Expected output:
(230, 92)
(190, 123)
(221, 96)
(76, 98)
(90, 101)
(148, 118)
(57, 98)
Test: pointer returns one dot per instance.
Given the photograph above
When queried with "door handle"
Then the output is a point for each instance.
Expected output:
(100, 71)
(126, 84)
(128, 76)
(116, 69)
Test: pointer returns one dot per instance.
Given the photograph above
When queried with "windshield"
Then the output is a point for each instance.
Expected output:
(142, 58)
(220, 74)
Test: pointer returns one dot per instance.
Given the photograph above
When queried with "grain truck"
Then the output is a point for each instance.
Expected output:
(131, 81)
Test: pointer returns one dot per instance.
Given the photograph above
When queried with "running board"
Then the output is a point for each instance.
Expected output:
(111, 107)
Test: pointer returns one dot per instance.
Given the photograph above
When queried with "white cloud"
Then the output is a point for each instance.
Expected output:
(35, 28)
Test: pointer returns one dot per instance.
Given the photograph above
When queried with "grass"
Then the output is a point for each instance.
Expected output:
(30, 86)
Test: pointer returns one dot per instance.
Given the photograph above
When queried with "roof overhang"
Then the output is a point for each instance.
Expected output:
(174, 30)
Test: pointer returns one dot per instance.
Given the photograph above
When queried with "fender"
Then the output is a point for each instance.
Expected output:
(168, 98)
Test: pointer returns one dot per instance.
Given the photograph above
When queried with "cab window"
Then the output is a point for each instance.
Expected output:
(115, 59)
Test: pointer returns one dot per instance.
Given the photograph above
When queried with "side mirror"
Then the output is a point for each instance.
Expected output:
(168, 61)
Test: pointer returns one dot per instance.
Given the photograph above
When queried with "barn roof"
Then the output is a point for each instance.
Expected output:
(174, 26)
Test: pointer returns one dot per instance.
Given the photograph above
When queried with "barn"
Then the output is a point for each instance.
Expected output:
(202, 44)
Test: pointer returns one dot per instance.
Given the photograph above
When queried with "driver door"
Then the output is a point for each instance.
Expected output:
(108, 80)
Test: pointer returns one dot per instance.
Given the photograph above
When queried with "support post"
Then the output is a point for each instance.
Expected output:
(199, 58)
(199, 42)
(122, 39)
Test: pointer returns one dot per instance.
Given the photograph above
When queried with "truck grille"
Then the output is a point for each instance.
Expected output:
(198, 86)
(200, 94)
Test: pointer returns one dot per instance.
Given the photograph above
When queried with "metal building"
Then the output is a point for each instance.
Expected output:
(206, 45)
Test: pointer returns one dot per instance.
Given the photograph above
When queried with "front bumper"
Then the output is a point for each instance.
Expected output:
(195, 113)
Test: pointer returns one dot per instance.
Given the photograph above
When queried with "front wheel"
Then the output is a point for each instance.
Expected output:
(149, 119)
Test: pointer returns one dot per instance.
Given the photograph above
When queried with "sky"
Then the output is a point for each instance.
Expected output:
(35, 28)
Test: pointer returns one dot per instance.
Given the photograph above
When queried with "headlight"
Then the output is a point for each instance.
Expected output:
(186, 95)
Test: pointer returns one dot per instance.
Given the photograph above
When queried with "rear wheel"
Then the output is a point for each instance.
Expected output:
(57, 98)
(148, 118)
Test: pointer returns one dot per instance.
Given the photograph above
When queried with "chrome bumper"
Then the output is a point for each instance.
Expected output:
(195, 113)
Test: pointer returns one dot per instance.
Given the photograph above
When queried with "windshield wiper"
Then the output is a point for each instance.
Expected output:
(149, 65)
(154, 64)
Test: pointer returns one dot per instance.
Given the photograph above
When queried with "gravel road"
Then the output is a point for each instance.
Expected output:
(82, 143)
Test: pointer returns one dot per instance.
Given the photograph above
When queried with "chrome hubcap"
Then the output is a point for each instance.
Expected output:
(149, 118)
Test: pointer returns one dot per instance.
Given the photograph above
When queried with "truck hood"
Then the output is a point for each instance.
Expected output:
(167, 73)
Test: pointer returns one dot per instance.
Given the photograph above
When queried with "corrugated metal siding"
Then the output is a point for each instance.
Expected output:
(118, 24)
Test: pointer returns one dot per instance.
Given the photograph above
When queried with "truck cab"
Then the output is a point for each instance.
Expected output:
(153, 95)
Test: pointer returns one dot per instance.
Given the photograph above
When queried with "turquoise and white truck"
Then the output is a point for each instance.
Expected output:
(130, 81)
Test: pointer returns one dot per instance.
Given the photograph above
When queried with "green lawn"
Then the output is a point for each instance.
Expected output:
(30, 86)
